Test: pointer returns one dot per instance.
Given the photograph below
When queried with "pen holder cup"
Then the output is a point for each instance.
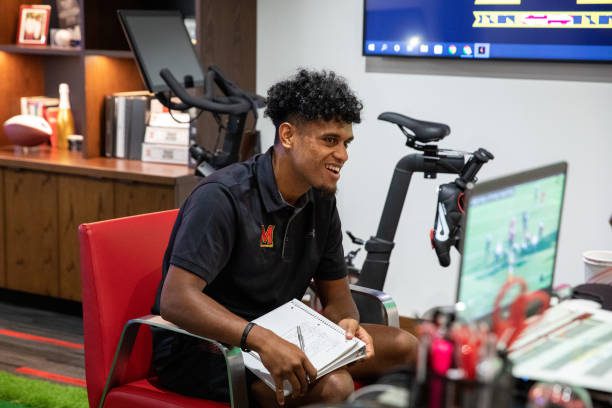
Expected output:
(451, 391)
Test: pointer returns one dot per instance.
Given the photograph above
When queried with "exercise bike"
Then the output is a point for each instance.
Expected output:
(234, 102)
(421, 136)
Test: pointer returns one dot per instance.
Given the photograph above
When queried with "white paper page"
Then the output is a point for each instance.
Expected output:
(324, 342)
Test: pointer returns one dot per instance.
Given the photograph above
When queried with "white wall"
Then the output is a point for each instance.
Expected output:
(524, 122)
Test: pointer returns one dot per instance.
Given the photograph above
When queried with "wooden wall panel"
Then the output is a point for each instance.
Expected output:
(131, 198)
(183, 189)
(102, 29)
(25, 70)
(80, 200)
(103, 76)
(2, 231)
(31, 231)
(9, 10)
(227, 38)
(69, 70)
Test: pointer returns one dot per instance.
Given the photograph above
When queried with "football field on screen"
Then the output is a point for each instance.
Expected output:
(512, 233)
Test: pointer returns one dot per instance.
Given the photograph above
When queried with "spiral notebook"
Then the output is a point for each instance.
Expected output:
(325, 343)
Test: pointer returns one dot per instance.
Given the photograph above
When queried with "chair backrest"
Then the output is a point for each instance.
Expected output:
(121, 261)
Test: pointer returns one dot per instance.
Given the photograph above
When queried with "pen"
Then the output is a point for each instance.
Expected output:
(302, 346)
(300, 338)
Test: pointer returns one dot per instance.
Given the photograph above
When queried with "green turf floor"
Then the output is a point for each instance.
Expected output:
(6, 404)
(21, 392)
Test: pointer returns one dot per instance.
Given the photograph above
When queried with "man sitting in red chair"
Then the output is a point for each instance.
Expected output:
(251, 237)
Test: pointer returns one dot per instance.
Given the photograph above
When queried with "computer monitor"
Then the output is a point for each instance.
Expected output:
(159, 39)
(511, 228)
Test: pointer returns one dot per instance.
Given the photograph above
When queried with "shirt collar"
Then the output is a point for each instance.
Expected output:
(272, 198)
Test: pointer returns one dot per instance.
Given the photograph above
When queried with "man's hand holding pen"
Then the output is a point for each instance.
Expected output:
(285, 361)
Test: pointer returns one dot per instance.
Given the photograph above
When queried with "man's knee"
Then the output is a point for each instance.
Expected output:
(336, 386)
(403, 348)
(396, 348)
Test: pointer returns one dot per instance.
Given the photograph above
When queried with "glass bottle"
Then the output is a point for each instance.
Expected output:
(65, 121)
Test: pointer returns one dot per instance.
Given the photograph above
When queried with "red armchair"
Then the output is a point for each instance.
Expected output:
(121, 266)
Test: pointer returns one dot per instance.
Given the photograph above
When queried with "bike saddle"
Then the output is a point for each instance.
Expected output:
(424, 132)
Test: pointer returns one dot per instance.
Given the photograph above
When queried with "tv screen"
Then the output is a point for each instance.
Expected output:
(565, 30)
(160, 40)
(512, 229)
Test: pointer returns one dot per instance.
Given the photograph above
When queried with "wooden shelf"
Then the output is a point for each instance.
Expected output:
(110, 53)
(65, 162)
(41, 50)
(59, 51)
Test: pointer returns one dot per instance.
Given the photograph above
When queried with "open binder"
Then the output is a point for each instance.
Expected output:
(325, 343)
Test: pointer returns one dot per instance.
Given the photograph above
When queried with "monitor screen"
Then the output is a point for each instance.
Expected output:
(511, 229)
(160, 40)
(572, 30)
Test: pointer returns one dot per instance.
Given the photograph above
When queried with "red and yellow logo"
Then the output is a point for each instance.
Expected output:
(267, 236)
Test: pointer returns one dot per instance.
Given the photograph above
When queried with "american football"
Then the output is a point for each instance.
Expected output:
(27, 130)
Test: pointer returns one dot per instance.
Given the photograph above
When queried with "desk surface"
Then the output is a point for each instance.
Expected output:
(66, 162)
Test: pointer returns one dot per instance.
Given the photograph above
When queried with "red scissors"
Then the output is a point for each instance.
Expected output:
(509, 323)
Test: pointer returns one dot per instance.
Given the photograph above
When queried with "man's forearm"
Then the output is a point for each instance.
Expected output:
(336, 299)
(206, 317)
(340, 308)
(201, 315)
(184, 304)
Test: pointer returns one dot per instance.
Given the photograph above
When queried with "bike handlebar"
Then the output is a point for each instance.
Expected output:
(234, 102)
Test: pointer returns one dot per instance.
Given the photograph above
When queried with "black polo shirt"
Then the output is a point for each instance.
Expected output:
(254, 250)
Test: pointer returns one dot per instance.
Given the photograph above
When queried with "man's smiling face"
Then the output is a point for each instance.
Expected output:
(319, 150)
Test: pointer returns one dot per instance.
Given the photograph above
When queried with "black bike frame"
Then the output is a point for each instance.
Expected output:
(379, 247)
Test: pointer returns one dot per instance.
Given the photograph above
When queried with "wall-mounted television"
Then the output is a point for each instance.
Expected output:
(562, 30)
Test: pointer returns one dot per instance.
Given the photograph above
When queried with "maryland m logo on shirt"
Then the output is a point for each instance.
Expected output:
(267, 236)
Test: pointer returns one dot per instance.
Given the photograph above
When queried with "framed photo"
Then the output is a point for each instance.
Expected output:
(33, 24)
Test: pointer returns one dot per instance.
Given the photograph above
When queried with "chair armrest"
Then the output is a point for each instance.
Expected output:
(387, 307)
(233, 358)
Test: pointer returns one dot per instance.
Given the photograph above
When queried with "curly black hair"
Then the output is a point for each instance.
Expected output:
(313, 95)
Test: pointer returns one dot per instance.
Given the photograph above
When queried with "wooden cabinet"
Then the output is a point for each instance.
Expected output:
(30, 202)
(80, 200)
(45, 196)
(136, 198)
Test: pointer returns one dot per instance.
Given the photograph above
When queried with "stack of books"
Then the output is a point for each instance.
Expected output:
(166, 138)
(139, 127)
(126, 114)
(45, 107)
